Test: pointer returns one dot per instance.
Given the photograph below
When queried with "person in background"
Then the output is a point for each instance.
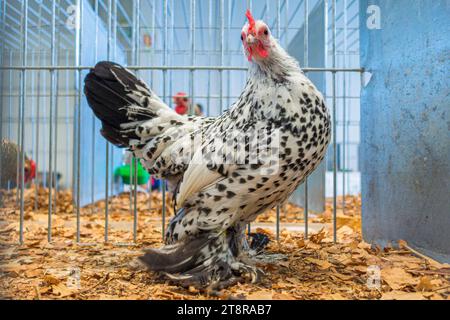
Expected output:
(198, 110)
(182, 103)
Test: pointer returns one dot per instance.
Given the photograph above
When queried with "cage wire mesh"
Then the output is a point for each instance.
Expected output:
(47, 48)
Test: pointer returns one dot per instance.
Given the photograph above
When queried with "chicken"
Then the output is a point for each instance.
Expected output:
(225, 170)
(9, 163)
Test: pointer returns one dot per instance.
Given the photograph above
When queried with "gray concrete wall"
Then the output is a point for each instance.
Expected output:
(405, 125)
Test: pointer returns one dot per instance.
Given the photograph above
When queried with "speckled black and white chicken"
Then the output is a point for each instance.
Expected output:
(280, 125)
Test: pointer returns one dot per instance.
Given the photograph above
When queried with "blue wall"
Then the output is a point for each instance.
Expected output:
(405, 125)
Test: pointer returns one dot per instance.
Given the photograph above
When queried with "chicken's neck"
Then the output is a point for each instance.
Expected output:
(278, 66)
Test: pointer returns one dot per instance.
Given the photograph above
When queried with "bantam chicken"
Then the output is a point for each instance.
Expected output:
(10, 160)
(225, 170)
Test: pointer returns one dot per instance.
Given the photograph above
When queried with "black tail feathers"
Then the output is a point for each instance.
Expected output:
(113, 93)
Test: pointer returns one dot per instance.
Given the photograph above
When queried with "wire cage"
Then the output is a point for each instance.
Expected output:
(48, 47)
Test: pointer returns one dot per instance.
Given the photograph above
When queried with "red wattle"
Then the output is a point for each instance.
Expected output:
(261, 51)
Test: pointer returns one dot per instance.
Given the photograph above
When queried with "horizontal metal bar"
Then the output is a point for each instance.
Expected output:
(49, 68)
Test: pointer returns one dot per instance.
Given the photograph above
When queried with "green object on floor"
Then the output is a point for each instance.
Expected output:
(126, 172)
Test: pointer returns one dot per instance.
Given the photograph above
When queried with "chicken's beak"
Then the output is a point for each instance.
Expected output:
(251, 40)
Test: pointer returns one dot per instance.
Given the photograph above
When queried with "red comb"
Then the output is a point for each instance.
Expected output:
(251, 21)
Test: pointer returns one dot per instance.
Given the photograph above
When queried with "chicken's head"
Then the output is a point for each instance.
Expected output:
(30, 170)
(256, 39)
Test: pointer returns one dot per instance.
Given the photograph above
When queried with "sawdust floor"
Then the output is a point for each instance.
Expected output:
(313, 269)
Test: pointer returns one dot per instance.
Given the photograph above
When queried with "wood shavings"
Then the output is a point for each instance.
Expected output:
(313, 268)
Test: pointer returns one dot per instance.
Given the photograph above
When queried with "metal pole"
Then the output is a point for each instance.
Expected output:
(38, 112)
(171, 43)
(344, 107)
(108, 53)
(165, 9)
(22, 116)
(135, 215)
(33, 106)
(113, 55)
(106, 192)
(93, 116)
(278, 36)
(210, 39)
(67, 120)
(222, 26)
(306, 58)
(192, 45)
(51, 119)
(152, 59)
(78, 177)
(286, 24)
(333, 21)
(136, 44)
(10, 77)
(228, 49)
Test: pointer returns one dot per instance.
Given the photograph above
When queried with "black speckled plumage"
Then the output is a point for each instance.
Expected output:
(279, 108)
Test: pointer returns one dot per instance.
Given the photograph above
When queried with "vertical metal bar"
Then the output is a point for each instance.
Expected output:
(113, 55)
(56, 124)
(51, 119)
(78, 177)
(135, 221)
(133, 33)
(210, 39)
(333, 21)
(153, 26)
(136, 16)
(286, 23)
(153, 46)
(228, 50)
(9, 133)
(114, 35)
(10, 77)
(222, 26)
(278, 36)
(67, 122)
(132, 182)
(106, 192)
(138, 33)
(108, 53)
(192, 49)
(171, 43)
(165, 9)
(306, 58)
(38, 112)
(55, 143)
(344, 107)
(22, 118)
(93, 135)
(33, 106)
(44, 116)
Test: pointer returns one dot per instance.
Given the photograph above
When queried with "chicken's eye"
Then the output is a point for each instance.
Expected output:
(266, 32)
(242, 38)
